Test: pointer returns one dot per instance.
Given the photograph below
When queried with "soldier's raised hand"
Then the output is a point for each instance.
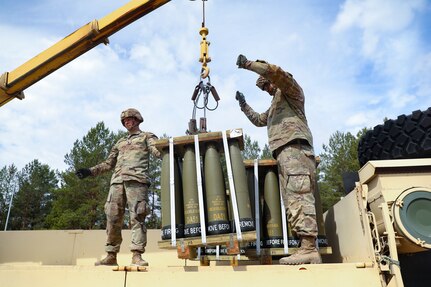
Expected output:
(240, 98)
(83, 173)
(241, 60)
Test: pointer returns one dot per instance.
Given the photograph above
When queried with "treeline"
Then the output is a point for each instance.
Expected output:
(43, 198)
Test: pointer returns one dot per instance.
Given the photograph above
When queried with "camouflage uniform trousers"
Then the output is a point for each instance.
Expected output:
(134, 194)
(297, 176)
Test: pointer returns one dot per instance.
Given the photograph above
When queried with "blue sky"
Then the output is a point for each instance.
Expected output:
(357, 61)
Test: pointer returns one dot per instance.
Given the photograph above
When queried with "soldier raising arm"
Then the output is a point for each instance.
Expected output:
(291, 143)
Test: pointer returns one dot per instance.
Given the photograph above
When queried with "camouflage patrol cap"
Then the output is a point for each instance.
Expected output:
(261, 82)
(131, 113)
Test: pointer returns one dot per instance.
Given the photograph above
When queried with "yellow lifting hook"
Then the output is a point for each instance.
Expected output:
(204, 57)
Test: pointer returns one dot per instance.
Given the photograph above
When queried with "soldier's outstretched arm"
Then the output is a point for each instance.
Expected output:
(106, 165)
(260, 67)
(275, 74)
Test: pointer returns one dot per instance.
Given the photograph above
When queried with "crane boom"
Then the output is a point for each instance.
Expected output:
(13, 83)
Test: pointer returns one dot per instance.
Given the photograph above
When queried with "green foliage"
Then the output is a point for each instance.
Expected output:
(251, 148)
(154, 172)
(253, 151)
(33, 199)
(8, 187)
(79, 204)
(340, 156)
(266, 153)
(93, 148)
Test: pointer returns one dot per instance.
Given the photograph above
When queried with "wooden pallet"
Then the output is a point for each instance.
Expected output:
(262, 163)
(130, 268)
(187, 247)
(182, 141)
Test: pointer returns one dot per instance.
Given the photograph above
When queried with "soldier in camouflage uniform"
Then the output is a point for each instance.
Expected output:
(129, 185)
(291, 143)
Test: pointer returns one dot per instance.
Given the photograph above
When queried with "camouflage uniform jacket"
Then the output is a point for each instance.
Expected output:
(129, 158)
(285, 119)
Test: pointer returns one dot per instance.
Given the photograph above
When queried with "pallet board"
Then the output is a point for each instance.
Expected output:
(182, 141)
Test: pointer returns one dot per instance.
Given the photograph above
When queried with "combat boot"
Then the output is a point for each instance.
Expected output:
(137, 259)
(109, 260)
(306, 254)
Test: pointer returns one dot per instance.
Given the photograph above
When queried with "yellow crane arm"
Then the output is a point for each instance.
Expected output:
(74, 45)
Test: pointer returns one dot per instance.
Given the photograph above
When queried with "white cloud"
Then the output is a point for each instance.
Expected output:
(380, 16)
(382, 24)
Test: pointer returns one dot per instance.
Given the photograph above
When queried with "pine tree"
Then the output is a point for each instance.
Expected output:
(340, 156)
(8, 188)
(79, 204)
(32, 203)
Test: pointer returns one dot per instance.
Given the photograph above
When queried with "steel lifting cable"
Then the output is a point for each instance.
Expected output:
(203, 90)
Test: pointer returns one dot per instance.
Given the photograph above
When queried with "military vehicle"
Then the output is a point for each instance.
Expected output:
(379, 233)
